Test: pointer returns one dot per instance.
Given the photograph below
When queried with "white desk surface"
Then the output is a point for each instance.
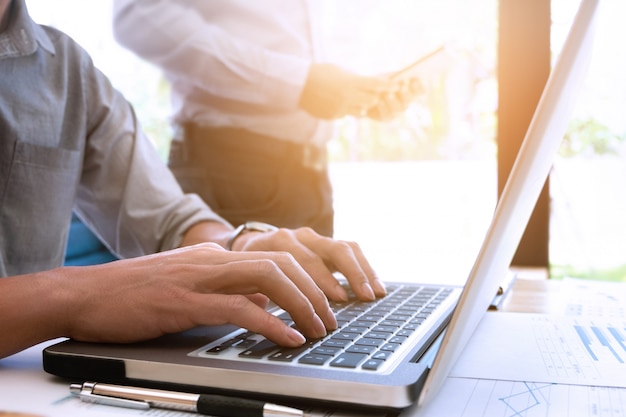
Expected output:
(26, 390)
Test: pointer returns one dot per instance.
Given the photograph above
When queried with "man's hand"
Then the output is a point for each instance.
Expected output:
(198, 285)
(320, 256)
(396, 102)
(331, 92)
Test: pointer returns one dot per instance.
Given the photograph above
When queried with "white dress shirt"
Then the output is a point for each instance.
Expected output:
(231, 63)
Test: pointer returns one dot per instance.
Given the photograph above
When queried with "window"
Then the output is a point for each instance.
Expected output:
(418, 192)
(588, 192)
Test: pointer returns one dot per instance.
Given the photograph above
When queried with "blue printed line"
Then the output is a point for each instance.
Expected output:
(618, 337)
(604, 341)
(532, 389)
(586, 342)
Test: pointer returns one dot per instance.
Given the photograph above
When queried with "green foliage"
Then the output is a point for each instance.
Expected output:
(617, 274)
(400, 140)
(589, 137)
(417, 134)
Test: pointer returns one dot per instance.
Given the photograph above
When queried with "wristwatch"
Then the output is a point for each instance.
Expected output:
(249, 226)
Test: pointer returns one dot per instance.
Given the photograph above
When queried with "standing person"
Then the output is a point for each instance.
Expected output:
(252, 102)
(69, 140)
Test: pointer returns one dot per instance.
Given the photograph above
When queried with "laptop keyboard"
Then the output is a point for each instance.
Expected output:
(368, 333)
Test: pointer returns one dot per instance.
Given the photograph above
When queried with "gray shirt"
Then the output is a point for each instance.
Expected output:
(69, 140)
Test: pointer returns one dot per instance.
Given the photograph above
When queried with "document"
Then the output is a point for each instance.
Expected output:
(584, 345)
(491, 398)
(546, 348)
(587, 298)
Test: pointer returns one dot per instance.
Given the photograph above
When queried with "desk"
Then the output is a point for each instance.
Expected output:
(532, 293)
(554, 348)
(21, 375)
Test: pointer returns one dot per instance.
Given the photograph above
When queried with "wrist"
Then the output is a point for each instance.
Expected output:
(207, 231)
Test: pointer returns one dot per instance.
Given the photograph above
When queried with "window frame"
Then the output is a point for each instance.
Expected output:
(523, 69)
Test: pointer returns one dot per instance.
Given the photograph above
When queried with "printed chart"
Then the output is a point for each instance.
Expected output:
(579, 348)
(486, 398)
(547, 348)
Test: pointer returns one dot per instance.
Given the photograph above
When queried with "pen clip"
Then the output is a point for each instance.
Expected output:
(86, 395)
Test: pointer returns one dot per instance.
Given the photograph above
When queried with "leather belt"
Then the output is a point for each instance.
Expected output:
(235, 139)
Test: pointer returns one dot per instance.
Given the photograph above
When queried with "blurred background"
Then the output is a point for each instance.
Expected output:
(418, 192)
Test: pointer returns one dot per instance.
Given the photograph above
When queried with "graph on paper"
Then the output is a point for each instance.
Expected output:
(547, 348)
(581, 349)
(526, 399)
(487, 398)
(595, 339)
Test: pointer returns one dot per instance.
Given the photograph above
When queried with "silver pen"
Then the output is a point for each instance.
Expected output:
(145, 398)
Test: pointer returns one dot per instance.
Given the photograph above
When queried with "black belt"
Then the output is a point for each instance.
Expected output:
(306, 155)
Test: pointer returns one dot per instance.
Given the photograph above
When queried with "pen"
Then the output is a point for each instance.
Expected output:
(503, 290)
(145, 398)
(507, 284)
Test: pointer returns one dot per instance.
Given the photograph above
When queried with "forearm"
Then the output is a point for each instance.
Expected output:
(33, 308)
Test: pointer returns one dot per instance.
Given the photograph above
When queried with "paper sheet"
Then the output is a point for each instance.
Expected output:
(587, 298)
(546, 348)
(584, 345)
(465, 397)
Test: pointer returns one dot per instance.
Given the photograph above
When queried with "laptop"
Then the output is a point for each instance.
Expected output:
(387, 355)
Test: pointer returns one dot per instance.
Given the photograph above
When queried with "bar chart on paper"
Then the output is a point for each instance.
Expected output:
(598, 341)
(582, 349)
(547, 348)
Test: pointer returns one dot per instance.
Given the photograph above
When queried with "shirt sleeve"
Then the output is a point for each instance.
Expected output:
(126, 193)
(174, 37)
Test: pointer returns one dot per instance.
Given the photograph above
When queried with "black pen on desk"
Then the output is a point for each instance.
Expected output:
(207, 404)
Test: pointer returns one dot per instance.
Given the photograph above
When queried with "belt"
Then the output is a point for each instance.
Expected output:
(235, 139)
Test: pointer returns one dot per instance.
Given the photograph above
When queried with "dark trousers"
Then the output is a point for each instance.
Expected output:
(245, 176)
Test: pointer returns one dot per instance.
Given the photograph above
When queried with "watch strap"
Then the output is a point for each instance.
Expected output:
(249, 226)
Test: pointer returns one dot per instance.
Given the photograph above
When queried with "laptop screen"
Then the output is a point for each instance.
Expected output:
(520, 194)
